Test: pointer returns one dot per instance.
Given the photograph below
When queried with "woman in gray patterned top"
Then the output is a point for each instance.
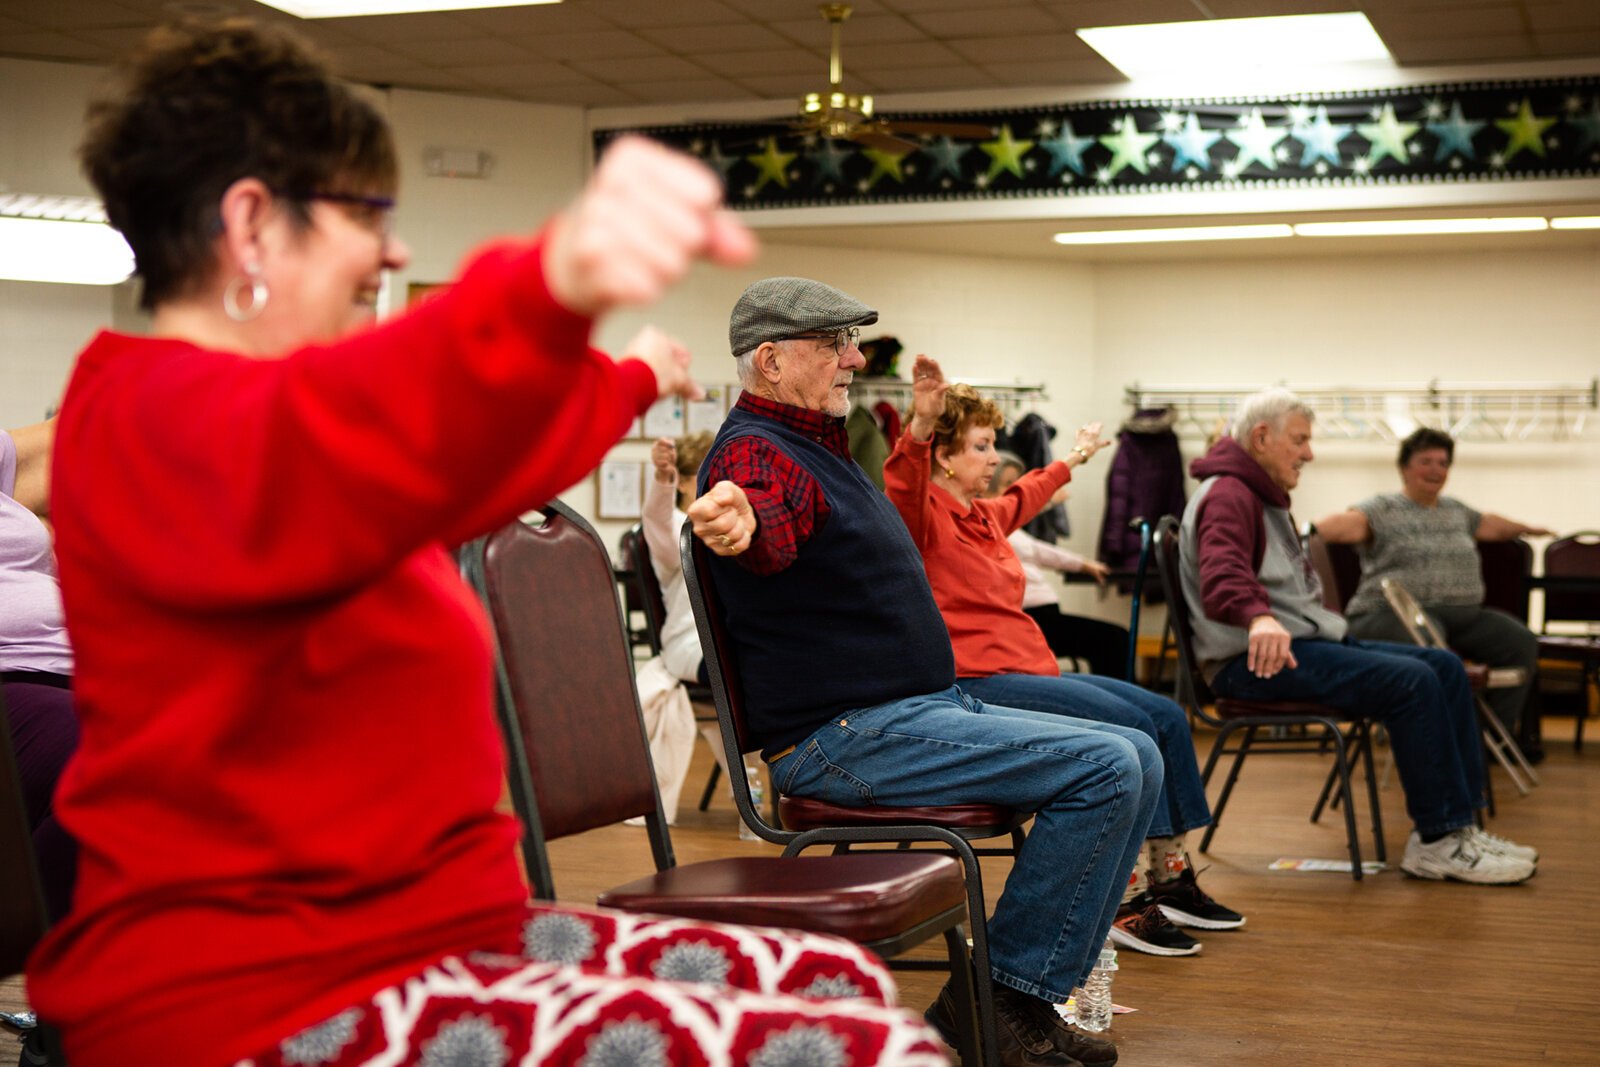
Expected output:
(1428, 542)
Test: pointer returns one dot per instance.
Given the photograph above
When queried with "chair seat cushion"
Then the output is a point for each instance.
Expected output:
(806, 813)
(863, 896)
(1229, 708)
(1581, 649)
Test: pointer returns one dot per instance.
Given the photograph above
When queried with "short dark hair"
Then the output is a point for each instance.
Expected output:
(1422, 440)
(202, 104)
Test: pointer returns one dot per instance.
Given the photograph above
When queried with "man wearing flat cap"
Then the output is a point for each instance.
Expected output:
(849, 677)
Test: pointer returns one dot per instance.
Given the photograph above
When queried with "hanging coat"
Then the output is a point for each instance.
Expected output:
(1030, 439)
(1145, 480)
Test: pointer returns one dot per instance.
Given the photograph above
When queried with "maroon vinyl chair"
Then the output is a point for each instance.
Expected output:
(1348, 736)
(803, 822)
(1574, 556)
(580, 760)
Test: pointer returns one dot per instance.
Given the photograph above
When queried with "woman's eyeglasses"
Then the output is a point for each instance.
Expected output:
(375, 213)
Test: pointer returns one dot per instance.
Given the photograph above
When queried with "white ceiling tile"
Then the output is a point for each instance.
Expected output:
(510, 75)
(876, 29)
(731, 37)
(1569, 43)
(1460, 49)
(602, 44)
(1078, 14)
(1038, 46)
(46, 45)
(902, 56)
(633, 14)
(644, 68)
(421, 26)
(540, 18)
(589, 94)
(467, 52)
(677, 92)
(987, 23)
(932, 79)
(1572, 15)
(1497, 21)
(787, 61)
(73, 14)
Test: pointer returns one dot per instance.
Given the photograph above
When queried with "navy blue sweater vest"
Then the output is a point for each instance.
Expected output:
(851, 623)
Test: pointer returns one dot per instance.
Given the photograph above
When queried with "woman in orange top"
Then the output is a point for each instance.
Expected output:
(936, 478)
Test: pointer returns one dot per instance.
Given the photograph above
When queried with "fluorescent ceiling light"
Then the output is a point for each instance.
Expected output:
(331, 9)
(1167, 49)
(51, 250)
(1399, 227)
(60, 239)
(1175, 233)
(1576, 222)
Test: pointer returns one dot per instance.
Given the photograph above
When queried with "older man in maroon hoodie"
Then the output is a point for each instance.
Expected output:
(1261, 633)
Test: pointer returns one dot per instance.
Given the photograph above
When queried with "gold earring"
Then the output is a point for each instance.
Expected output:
(949, 472)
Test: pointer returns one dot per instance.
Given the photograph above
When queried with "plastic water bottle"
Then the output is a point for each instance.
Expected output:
(1094, 1000)
(757, 794)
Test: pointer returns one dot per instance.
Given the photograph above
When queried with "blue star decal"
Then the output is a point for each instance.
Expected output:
(723, 163)
(829, 159)
(1455, 135)
(1588, 126)
(1320, 137)
(1066, 150)
(946, 155)
(1191, 144)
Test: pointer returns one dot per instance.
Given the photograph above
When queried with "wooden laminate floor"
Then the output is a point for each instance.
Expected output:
(1327, 971)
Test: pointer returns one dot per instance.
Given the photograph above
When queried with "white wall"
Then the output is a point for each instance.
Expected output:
(43, 326)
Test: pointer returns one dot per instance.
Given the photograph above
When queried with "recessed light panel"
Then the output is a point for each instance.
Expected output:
(330, 9)
(1177, 49)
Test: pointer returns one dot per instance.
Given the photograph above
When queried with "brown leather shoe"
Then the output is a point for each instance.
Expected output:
(1024, 1038)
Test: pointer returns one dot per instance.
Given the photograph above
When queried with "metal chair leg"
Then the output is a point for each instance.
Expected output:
(1233, 775)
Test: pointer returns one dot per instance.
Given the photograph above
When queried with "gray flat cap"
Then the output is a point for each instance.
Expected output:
(774, 308)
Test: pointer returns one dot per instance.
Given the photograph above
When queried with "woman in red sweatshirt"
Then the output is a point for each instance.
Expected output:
(936, 477)
(285, 794)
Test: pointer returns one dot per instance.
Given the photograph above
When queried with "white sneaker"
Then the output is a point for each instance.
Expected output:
(1460, 856)
(1505, 846)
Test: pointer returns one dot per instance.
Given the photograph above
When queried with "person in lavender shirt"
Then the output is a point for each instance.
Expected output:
(35, 658)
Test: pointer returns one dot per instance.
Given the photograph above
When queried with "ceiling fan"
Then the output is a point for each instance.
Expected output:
(846, 116)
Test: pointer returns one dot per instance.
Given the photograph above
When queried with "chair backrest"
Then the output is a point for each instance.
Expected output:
(716, 644)
(1192, 688)
(22, 914)
(1322, 556)
(642, 590)
(1506, 566)
(1339, 570)
(1574, 556)
(567, 702)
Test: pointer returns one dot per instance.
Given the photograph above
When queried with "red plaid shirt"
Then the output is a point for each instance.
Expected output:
(787, 500)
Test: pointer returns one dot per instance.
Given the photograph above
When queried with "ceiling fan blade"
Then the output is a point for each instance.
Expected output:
(967, 131)
(884, 142)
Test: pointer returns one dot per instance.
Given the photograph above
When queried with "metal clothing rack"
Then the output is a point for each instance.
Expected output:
(1482, 411)
(1010, 395)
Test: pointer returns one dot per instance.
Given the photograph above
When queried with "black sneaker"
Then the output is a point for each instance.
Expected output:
(1185, 903)
(1141, 926)
(1025, 1040)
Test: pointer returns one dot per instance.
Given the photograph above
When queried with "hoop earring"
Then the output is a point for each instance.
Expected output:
(258, 295)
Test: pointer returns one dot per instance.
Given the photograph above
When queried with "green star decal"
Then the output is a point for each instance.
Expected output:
(1388, 136)
(886, 163)
(1525, 131)
(772, 165)
(1128, 147)
(1005, 153)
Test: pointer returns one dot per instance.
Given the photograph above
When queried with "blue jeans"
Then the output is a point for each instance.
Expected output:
(1182, 804)
(1420, 695)
(1093, 792)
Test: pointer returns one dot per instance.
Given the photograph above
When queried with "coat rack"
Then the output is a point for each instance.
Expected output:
(1011, 396)
(1508, 412)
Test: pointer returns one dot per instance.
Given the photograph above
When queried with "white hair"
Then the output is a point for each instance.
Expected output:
(1270, 406)
(744, 364)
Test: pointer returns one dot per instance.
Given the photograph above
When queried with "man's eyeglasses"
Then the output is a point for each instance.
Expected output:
(842, 339)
